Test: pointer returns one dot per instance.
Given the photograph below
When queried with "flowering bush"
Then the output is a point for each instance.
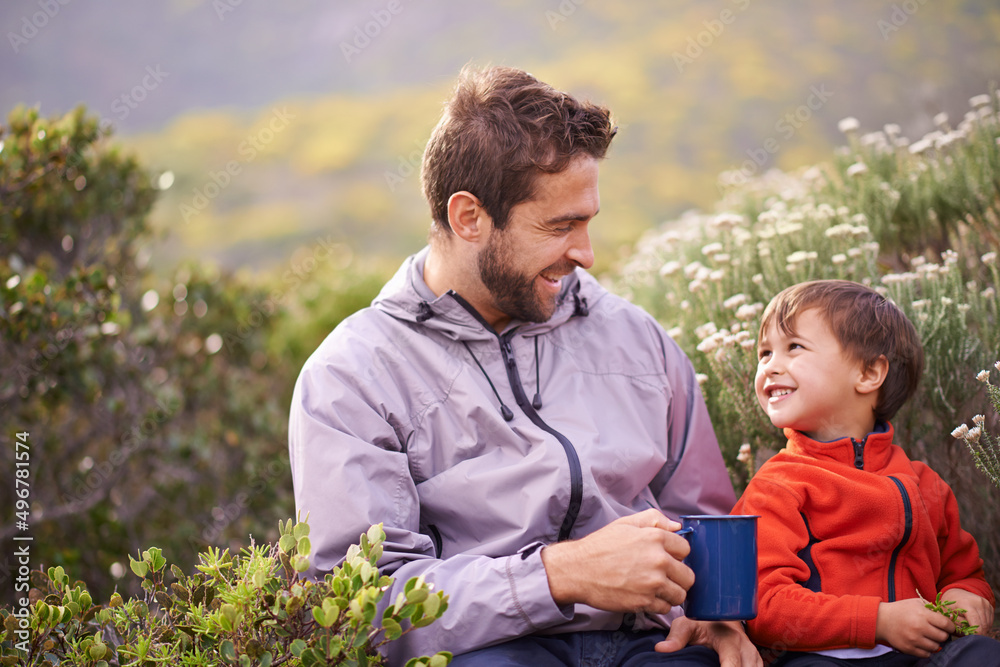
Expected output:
(919, 222)
(985, 447)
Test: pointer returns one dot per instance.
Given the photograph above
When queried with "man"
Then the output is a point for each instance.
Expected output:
(520, 432)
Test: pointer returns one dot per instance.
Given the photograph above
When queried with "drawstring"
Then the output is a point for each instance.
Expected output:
(536, 402)
(504, 410)
(424, 311)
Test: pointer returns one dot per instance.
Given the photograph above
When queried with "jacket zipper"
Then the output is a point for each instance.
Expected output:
(575, 470)
(859, 453)
(907, 529)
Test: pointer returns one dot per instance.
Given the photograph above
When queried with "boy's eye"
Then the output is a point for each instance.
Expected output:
(763, 353)
(792, 346)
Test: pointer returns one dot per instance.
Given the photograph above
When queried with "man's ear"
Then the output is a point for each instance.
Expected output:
(467, 217)
(873, 376)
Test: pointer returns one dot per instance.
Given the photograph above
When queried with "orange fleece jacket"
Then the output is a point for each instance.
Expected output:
(834, 540)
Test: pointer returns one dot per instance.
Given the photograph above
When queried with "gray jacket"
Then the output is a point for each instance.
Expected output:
(398, 417)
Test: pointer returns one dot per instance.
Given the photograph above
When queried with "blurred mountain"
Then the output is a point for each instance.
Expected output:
(281, 122)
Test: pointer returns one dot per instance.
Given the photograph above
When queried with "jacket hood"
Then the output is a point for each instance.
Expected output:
(407, 297)
(876, 447)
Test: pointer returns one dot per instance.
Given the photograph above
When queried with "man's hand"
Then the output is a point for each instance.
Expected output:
(725, 638)
(910, 627)
(632, 564)
(978, 610)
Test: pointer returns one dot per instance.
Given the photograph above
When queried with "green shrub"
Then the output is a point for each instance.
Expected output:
(248, 609)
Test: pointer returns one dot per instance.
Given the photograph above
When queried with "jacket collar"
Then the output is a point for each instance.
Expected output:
(407, 297)
(876, 447)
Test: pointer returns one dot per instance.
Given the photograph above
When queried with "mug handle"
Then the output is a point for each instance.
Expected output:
(685, 531)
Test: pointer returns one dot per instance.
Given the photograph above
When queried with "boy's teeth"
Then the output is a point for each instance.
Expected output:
(781, 392)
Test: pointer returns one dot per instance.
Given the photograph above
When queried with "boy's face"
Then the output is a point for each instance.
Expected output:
(806, 381)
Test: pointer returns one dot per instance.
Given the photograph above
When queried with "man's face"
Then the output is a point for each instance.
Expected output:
(545, 239)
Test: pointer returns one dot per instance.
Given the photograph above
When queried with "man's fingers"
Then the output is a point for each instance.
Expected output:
(676, 545)
(651, 518)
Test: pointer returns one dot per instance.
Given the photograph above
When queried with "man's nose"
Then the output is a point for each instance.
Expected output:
(581, 252)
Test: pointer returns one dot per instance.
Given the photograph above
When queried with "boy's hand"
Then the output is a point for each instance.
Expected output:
(978, 611)
(910, 627)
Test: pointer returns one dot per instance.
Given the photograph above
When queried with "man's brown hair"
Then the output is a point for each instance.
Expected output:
(866, 324)
(499, 131)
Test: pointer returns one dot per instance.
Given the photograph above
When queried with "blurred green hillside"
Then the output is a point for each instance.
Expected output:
(697, 87)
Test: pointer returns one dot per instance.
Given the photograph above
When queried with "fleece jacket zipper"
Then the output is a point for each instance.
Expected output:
(907, 529)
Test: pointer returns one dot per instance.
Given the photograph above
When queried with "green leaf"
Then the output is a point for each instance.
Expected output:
(440, 659)
(139, 567)
(266, 659)
(393, 630)
(300, 530)
(286, 543)
(296, 647)
(227, 650)
(376, 534)
(321, 617)
(416, 595)
(303, 545)
(312, 658)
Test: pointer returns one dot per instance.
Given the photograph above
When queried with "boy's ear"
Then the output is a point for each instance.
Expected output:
(872, 376)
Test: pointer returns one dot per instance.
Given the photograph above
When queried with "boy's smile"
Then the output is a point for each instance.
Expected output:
(807, 382)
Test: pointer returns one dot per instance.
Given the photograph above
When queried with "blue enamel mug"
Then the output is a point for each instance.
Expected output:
(724, 559)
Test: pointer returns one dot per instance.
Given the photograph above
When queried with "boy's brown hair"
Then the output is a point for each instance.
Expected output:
(499, 131)
(866, 324)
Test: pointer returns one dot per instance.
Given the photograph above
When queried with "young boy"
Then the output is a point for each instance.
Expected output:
(850, 529)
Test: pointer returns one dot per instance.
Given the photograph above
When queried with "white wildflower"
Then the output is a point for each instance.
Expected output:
(839, 258)
(949, 256)
(691, 270)
(727, 220)
(745, 453)
(735, 301)
(973, 435)
(722, 258)
(838, 231)
(675, 332)
(923, 317)
(989, 258)
(711, 249)
(717, 275)
(871, 247)
(757, 279)
(705, 330)
(670, 268)
(960, 432)
(997, 365)
(988, 293)
(684, 305)
(983, 376)
(919, 260)
(701, 378)
(963, 308)
(945, 301)
(892, 130)
(786, 228)
(941, 120)
(843, 211)
(920, 305)
(748, 311)
(696, 286)
(920, 147)
(979, 420)
(859, 219)
(979, 101)
(709, 344)
(748, 344)
(854, 252)
(857, 169)
(849, 124)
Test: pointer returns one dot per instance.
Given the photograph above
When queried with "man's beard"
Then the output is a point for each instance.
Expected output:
(514, 293)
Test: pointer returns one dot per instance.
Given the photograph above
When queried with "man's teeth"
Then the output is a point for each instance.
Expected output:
(780, 392)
